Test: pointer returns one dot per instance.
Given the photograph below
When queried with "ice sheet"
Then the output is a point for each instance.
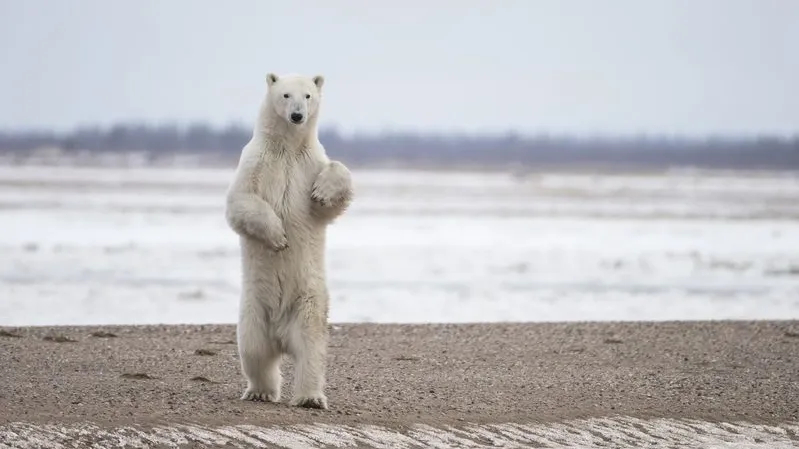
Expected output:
(133, 246)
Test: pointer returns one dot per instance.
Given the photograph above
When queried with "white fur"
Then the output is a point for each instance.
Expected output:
(284, 194)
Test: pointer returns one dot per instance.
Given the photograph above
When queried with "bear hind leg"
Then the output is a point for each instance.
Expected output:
(308, 346)
(260, 361)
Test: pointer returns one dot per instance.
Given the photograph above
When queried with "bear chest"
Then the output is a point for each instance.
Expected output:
(287, 187)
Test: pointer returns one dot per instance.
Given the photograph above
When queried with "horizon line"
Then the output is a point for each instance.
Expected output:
(184, 125)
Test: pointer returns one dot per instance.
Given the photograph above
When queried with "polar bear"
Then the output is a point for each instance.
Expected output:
(284, 194)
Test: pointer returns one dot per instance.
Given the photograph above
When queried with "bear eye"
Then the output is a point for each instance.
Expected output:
(286, 95)
(307, 96)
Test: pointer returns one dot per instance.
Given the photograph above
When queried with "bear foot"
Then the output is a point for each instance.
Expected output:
(260, 396)
(318, 402)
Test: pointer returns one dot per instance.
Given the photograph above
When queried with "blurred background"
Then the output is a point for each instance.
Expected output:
(513, 160)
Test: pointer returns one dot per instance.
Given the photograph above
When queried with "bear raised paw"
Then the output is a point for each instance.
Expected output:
(332, 190)
(284, 194)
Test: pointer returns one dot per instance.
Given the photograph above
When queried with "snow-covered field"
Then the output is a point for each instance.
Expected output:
(131, 246)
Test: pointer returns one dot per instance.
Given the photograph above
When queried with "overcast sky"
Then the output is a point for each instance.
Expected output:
(577, 66)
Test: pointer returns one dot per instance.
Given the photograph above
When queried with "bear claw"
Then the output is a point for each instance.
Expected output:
(336, 200)
(259, 396)
(321, 200)
(280, 244)
(308, 402)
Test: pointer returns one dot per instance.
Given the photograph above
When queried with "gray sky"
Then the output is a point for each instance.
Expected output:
(578, 66)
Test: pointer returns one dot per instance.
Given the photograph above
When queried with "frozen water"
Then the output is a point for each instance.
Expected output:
(150, 245)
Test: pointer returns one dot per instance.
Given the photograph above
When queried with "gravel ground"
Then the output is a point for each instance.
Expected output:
(398, 375)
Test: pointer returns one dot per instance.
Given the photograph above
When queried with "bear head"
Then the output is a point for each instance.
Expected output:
(295, 98)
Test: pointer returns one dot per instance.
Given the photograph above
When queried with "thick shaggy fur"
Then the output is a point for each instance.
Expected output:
(285, 193)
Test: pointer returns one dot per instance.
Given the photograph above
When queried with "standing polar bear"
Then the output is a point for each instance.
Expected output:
(284, 194)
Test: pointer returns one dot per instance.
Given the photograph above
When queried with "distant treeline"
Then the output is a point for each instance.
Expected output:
(432, 151)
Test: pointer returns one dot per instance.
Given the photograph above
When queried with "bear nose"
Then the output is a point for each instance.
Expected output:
(296, 117)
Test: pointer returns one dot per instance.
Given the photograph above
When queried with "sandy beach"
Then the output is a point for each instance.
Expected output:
(399, 375)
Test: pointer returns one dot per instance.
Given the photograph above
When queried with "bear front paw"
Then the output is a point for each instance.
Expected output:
(279, 244)
(325, 198)
(333, 186)
(277, 240)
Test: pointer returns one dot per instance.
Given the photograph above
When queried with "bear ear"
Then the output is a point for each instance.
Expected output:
(319, 80)
(271, 78)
